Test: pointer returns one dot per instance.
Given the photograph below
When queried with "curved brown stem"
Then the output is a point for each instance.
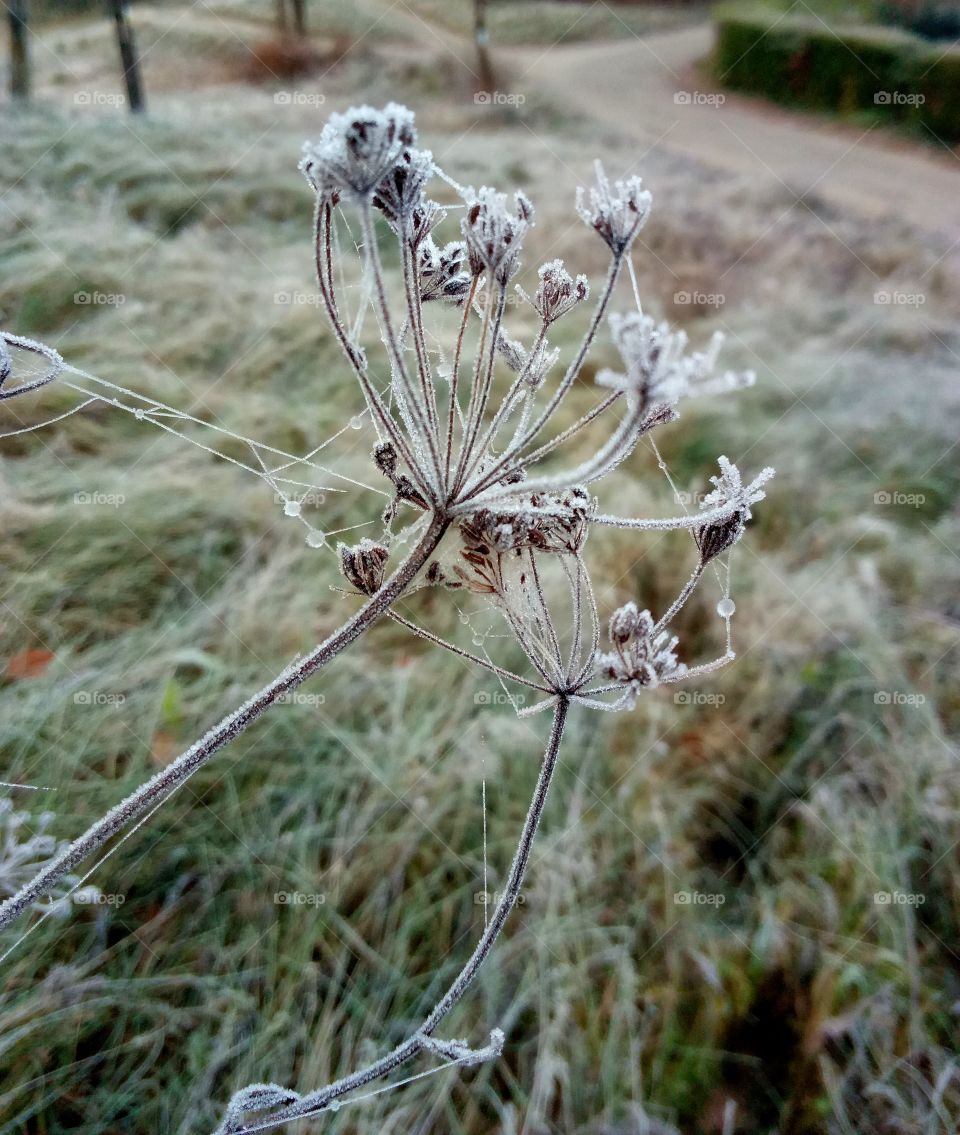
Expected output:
(325, 1098)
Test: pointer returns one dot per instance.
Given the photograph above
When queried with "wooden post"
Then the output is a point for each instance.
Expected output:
(128, 56)
(299, 16)
(18, 16)
(481, 37)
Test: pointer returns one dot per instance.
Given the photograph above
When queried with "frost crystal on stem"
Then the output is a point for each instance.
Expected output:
(480, 498)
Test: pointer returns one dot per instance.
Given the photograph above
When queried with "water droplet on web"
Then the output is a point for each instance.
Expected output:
(334, 1105)
(444, 371)
(315, 538)
(726, 607)
(478, 640)
(139, 414)
(291, 508)
(464, 617)
(356, 422)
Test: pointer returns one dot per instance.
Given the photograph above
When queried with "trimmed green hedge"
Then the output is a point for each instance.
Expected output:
(803, 62)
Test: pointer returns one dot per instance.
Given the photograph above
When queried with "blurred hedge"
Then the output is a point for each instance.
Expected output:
(803, 62)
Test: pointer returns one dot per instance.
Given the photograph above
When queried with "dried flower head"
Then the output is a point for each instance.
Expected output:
(642, 657)
(558, 292)
(443, 274)
(400, 195)
(658, 368)
(617, 213)
(363, 565)
(494, 232)
(357, 150)
(729, 494)
(552, 523)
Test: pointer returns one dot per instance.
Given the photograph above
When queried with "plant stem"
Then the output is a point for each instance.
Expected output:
(167, 781)
(321, 1099)
(570, 376)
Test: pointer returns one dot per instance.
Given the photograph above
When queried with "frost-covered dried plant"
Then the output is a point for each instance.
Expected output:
(25, 848)
(481, 501)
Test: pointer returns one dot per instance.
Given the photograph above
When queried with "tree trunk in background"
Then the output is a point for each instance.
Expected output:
(281, 9)
(481, 38)
(128, 56)
(299, 16)
(18, 15)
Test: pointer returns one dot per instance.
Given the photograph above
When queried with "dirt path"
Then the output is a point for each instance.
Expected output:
(632, 86)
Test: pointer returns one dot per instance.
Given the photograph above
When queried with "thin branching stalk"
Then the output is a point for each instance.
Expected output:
(319, 1101)
(159, 787)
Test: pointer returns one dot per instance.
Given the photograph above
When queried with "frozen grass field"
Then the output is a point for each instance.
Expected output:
(157, 586)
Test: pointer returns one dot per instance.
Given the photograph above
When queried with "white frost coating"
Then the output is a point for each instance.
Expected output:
(25, 848)
(617, 212)
(468, 436)
(658, 367)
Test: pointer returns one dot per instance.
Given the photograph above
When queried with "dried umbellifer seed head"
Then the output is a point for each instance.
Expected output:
(385, 458)
(713, 539)
(363, 565)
